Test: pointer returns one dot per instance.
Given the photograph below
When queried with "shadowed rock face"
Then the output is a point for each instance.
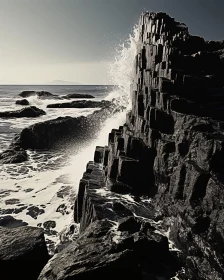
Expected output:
(52, 133)
(23, 253)
(169, 150)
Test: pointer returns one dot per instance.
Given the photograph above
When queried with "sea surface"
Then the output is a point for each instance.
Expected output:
(46, 185)
(41, 192)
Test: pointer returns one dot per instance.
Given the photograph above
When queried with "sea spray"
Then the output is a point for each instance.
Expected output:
(121, 71)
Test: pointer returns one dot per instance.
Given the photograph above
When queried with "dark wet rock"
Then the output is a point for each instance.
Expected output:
(14, 154)
(11, 222)
(49, 224)
(40, 94)
(23, 102)
(52, 133)
(34, 211)
(129, 224)
(81, 104)
(75, 262)
(62, 209)
(15, 210)
(28, 190)
(78, 95)
(171, 150)
(27, 112)
(23, 253)
(12, 201)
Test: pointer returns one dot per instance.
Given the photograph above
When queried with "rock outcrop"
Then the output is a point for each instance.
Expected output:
(28, 112)
(23, 102)
(81, 104)
(57, 132)
(23, 253)
(169, 150)
(78, 95)
(40, 94)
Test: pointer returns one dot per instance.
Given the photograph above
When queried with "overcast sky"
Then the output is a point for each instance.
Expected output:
(74, 40)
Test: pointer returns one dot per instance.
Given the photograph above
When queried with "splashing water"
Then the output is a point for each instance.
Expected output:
(36, 184)
(122, 71)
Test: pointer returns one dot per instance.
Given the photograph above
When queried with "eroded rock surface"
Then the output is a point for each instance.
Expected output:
(23, 253)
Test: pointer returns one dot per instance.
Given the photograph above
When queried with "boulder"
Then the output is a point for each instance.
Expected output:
(78, 95)
(81, 104)
(22, 102)
(28, 112)
(92, 257)
(23, 253)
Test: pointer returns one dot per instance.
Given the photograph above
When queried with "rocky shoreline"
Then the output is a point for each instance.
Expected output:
(151, 204)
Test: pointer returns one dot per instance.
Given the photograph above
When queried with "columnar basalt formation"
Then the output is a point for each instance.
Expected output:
(171, 149)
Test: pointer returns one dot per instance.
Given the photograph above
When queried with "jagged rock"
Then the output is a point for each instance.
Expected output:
(34, 211)
(129, 224)
(99, 261)
(23, 253)
(40, 94)
(81, 104)
(171, 150)
(13, 155)
(78, 95)
(22, 102)
(28, 112)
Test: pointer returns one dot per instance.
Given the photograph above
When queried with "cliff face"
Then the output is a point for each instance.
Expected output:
(171, 149)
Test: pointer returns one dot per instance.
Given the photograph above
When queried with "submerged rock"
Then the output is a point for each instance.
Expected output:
(28, 112)
(81, 104)
(23, 253)
(40, 94)
(22, 102)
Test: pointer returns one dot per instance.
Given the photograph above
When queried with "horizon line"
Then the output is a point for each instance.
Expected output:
(55, 85)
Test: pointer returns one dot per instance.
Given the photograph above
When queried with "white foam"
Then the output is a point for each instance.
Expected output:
(45, 181)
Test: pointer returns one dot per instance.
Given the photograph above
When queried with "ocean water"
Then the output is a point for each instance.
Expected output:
(47, 183)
